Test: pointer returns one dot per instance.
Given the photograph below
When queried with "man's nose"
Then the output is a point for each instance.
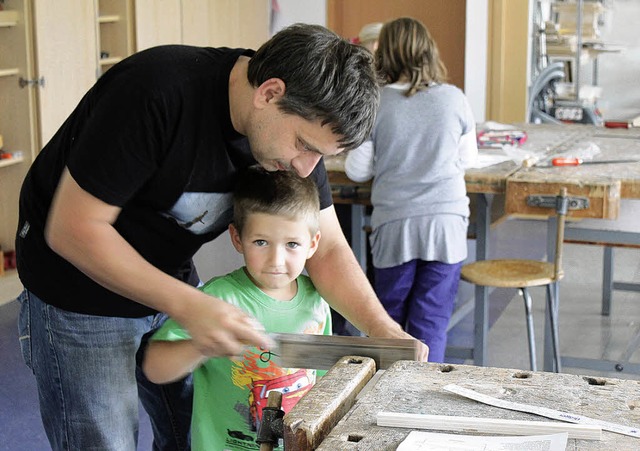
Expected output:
(304, 164)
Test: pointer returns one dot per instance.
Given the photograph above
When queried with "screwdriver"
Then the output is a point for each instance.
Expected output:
(572, 161)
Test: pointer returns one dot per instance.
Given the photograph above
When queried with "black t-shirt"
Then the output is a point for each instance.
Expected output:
(154, 137)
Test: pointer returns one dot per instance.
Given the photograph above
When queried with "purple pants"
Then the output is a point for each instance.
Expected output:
(420, 295)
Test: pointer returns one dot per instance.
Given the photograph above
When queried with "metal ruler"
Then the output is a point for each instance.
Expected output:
(542, 411)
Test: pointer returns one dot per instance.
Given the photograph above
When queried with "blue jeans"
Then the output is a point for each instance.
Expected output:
(88, 374)
(420, 295)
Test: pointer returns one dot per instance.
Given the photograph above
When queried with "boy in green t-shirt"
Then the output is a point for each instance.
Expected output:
(276, 228)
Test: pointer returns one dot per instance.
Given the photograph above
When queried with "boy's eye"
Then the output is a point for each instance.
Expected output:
(260, 242)
(292, 245)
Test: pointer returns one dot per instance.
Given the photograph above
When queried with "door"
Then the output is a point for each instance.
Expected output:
(65, 58)
(445, 19)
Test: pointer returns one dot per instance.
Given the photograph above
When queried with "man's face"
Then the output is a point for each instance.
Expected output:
(287, 142)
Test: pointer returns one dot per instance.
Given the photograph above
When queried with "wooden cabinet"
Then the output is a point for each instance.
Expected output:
(215, 23)
(115, 32)
(48, 60)
(52, 52)
(17, 125)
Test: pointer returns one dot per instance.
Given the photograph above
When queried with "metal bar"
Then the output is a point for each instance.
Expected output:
(607, 280)
(481, 316)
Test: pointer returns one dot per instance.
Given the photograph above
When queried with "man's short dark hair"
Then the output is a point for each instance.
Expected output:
(326, 78)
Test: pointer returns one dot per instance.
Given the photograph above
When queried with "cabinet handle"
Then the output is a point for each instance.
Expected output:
(37, 82)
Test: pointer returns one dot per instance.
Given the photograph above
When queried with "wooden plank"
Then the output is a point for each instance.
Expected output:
(315, 415)
(499, 426)
(417, 387)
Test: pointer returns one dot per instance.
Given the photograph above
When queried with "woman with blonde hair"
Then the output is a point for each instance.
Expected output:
(423, 138)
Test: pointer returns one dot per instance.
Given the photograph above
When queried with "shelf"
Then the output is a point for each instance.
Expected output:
(110, 60)
(11, 161)
(9, 72)
(109, 18)
(8, 18)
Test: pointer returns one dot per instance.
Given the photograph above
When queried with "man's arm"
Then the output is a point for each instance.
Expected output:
(342, 283)
(80, 229)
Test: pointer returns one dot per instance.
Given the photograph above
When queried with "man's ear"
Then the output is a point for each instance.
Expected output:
(235, 237)
(313, 247)
(268, 92)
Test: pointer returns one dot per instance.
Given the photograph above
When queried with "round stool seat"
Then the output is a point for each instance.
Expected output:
(509, 273)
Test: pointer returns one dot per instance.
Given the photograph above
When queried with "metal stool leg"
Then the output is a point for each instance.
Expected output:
(552, 307)
(530, 332)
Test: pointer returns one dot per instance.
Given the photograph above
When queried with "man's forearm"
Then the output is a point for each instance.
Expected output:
(343, 284)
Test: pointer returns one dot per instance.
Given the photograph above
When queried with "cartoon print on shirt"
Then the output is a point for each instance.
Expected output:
(260, 377)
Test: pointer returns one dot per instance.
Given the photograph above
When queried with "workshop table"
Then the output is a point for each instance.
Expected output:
(339, 414)
(603, 186)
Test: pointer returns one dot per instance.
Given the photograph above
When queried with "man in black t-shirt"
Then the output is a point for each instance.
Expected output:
(136, 180)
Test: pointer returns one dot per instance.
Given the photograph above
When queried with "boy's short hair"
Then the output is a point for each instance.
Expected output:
(281, 193)
(326, 78)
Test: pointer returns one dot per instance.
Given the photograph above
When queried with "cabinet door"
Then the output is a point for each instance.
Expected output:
(226, 23)
(65, 55)
(157, 23)
(17, 104)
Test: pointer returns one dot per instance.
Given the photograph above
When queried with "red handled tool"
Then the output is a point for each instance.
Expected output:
(572, 161)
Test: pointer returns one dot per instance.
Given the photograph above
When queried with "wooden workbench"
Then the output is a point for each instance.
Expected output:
(417, 387)
(603, 185)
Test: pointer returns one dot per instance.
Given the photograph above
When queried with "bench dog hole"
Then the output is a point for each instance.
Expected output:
(595, 381)
(522, 375)
(354, 438)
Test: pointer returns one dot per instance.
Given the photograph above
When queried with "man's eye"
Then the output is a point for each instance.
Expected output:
(292, 245)
(260, 242)
(305, 147)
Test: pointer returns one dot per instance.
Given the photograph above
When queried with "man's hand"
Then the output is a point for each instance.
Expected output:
(220, 329)
(391, 329)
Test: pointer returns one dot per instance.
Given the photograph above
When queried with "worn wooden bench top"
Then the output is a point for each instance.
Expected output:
(415, 387)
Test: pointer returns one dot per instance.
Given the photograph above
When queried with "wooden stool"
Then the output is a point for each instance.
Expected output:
(523, 274)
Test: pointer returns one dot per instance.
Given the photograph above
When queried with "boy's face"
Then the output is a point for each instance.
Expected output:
(275, 250)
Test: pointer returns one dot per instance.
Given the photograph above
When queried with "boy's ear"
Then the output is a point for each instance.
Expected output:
(235, 237)
(268, 92)
(313, 247)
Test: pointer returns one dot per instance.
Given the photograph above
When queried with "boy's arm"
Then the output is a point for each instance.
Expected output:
(167, 361)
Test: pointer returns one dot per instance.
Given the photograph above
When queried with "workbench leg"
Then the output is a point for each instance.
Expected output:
(358, 235)
(607, 280)
(481, 315)
(549, 364)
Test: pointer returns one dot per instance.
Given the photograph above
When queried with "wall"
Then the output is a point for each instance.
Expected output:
(305, 11)
(618, 72)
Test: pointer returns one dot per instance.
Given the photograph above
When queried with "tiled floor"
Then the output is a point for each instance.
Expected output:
(583, 331)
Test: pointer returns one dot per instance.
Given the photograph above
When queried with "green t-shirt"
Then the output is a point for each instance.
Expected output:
(229, 394)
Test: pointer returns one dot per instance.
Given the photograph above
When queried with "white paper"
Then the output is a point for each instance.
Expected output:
(434, 441)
